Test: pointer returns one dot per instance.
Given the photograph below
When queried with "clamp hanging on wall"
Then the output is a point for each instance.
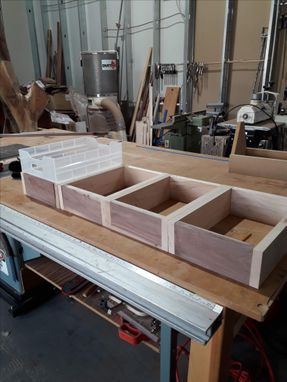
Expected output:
(167, 73)
(195, 72)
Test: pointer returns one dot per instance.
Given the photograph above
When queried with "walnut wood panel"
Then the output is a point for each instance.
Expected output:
(145, 227)
(217, 253)
(82, 204)
(40, 189)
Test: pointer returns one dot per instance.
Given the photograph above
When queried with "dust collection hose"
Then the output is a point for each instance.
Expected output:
(113, 107)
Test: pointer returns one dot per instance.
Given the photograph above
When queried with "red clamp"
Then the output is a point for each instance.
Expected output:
(130, 334)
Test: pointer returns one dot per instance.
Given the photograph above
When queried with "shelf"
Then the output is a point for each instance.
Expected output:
(58, 275)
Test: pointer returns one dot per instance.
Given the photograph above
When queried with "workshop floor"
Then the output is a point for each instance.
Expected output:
(63, 341)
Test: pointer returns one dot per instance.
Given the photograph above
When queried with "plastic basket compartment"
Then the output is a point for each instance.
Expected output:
(65, 160)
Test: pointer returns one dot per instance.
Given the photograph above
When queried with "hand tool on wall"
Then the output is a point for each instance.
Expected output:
(195, 72)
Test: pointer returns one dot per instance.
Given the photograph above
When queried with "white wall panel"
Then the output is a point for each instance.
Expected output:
(75, 47)
(93, 25)
(172, 33)
(41, 39)
(18, 39)
(142, 37)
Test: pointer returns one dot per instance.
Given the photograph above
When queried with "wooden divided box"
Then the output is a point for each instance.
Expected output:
(86, 197)
(143, 213)
(256, 162)
(239, 233)
(46, 166)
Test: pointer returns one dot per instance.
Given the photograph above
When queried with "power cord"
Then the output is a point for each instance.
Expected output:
(251, 335)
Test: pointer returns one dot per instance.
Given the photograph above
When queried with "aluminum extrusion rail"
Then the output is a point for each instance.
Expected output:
(178, 308)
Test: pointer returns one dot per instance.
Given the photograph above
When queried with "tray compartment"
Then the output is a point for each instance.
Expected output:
(86, 197)
(143, 213)
(231, 234)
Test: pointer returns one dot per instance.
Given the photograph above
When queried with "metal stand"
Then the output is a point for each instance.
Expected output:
(168, 344)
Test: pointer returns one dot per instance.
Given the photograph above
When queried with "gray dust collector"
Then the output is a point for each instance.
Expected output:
(100, 71)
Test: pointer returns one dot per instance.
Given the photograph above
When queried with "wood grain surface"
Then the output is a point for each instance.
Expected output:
(83, 204)
(142, 226)
(40, 189)
(218, 253)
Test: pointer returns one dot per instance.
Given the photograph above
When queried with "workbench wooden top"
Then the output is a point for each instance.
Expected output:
(248, 301)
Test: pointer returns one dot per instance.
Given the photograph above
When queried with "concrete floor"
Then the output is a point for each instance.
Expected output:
(63, 341)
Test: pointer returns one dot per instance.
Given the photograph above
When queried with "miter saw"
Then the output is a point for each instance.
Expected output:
(260, 109)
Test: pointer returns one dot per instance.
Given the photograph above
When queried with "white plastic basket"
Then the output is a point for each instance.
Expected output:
(70, 159)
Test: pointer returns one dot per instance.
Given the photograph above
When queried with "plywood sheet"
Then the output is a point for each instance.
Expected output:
(249, 231)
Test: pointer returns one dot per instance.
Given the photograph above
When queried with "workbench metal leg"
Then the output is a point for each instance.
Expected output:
(168, 344)
(211, 362)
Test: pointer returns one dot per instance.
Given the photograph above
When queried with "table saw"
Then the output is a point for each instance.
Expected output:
(183, 297)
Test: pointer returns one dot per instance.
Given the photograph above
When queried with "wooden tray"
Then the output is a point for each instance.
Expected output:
(256, 162)
(86, 197)
(240, 234)
(143, 213)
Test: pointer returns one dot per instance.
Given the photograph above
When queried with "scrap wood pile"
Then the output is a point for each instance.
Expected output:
(143, 107)
(55, 72)
(146, 109)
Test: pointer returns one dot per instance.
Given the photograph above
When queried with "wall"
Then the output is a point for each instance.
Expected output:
(18, 39)
(209, 26)
(280, 60)
(251, 16)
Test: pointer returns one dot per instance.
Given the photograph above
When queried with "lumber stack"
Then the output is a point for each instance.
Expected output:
(143, 105)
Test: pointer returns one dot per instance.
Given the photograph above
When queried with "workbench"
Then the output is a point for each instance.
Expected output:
(141, 263)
